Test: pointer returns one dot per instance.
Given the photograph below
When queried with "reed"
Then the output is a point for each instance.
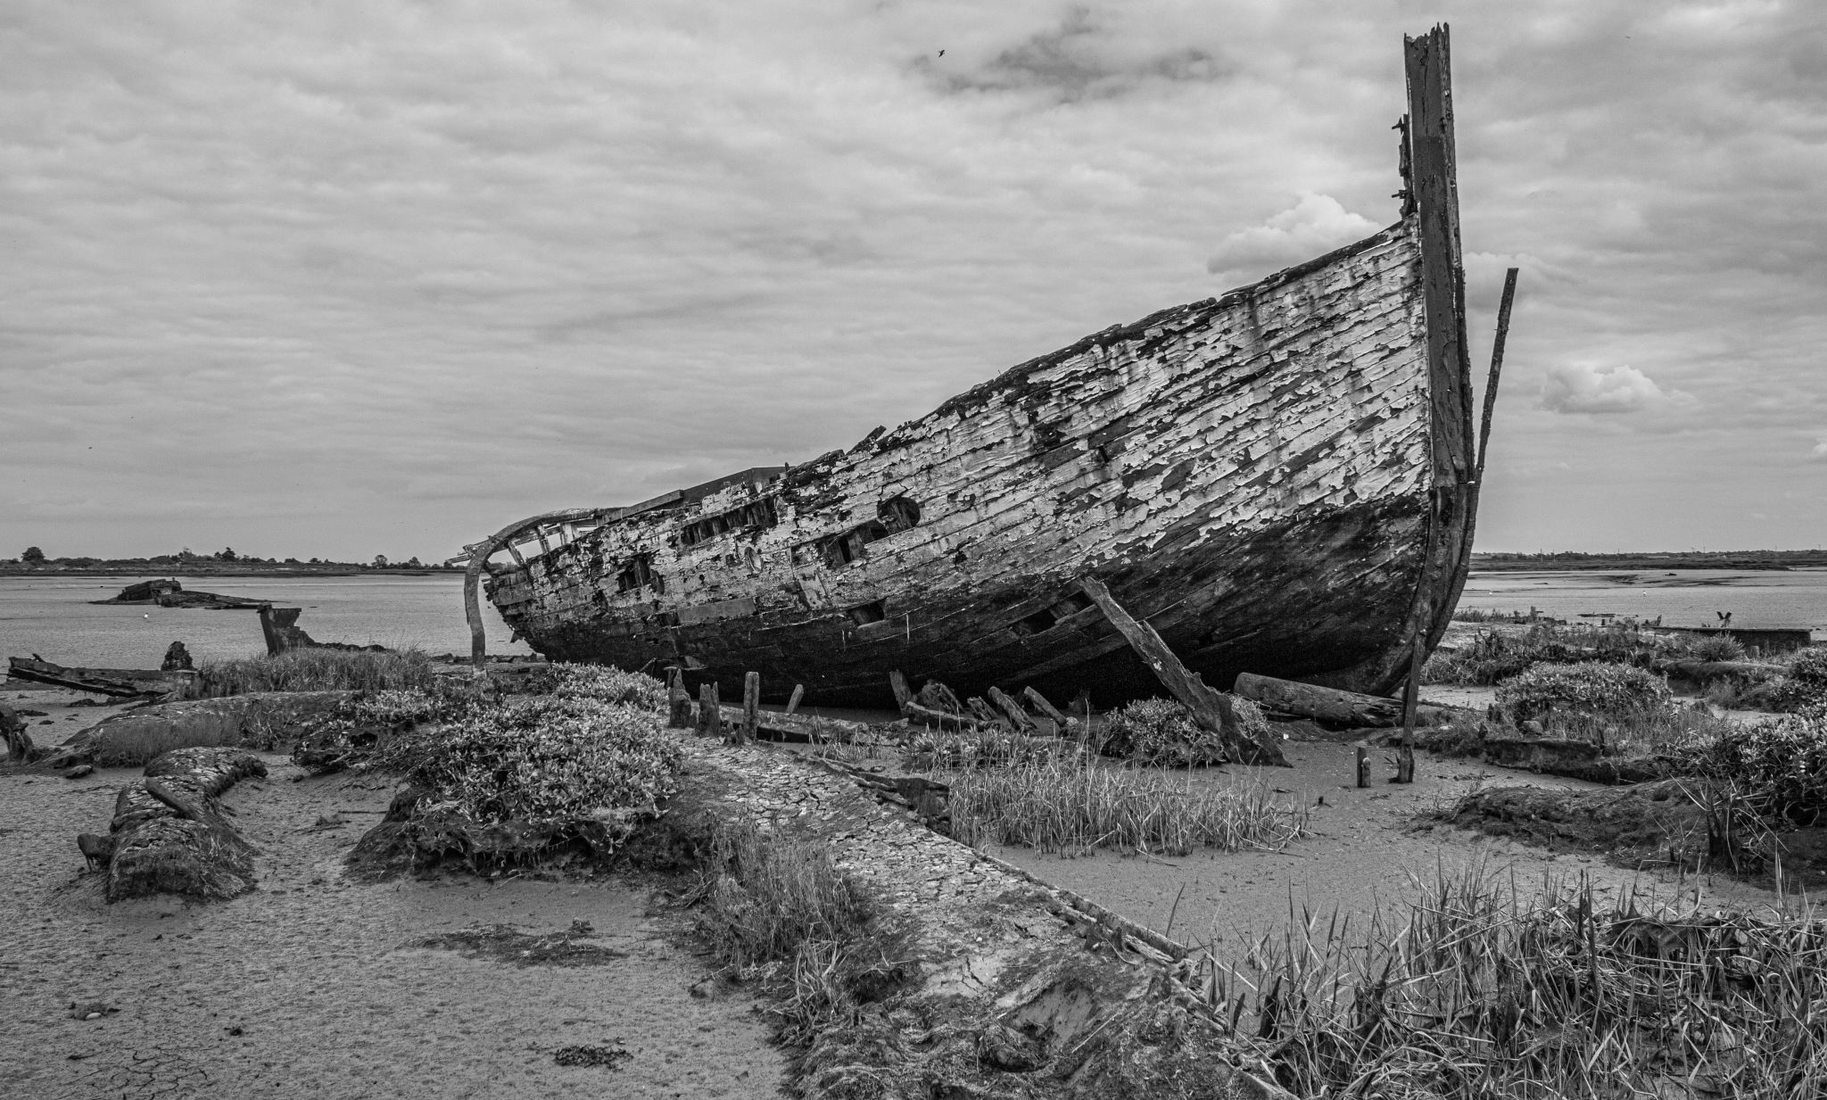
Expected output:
(1479, 991)
(1069, 805)
(319, 670)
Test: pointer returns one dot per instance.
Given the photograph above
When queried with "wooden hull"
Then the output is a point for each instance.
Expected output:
(1277, 480)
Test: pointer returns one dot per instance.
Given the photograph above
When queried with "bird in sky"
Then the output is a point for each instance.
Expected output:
(941, 53)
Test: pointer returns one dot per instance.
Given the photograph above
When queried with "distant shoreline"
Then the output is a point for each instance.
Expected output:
(223, 569)
(1570, 562)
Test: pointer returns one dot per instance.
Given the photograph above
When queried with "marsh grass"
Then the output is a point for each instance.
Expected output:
(1479, 991)
(319, 670)
(779, 912)
(766, 896)
(1071, 805)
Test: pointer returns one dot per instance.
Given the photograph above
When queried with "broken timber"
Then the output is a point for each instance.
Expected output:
(1211, 709)
(1279, 480)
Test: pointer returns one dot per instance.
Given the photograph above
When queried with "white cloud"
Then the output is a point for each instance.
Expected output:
(1819, 453)
(1314, 225)
(1584, 388)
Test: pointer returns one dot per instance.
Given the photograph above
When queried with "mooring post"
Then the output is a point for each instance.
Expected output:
(1363, 764)
(751, 707)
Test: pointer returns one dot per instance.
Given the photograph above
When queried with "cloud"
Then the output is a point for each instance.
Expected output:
(1584, 388)
(1819, 453)
(1313, 226)
(1078, 59)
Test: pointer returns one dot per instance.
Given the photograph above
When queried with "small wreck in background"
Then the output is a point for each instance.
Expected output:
(1281, 480)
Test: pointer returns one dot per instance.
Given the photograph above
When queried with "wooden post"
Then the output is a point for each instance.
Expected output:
(678, 701)
(1211, 709)
(751, 707)
(1363, 765)
(903, 695)
(1023, 722)
(275, 641)
(710, 719)
(799, 692)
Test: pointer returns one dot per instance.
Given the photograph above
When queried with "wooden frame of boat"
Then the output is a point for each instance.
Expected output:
(1280, 480)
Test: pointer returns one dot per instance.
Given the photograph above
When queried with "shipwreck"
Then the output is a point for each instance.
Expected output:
(1280, 480)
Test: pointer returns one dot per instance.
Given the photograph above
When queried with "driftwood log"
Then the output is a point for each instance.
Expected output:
(1211, 709)
(170, 834)
(1341, 708)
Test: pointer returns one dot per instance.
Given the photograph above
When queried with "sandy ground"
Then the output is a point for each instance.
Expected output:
(1365, 851)
(311, 985)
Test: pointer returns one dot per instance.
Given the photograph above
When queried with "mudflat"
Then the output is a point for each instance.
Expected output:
(317, 986)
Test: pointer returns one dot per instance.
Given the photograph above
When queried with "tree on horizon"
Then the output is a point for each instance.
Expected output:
(32, 556)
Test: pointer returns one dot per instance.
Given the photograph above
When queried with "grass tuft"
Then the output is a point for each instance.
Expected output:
(1481, 992)
(1069, 805)
(319, 670)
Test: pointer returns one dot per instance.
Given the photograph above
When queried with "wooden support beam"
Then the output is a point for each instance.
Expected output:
(1490, 385)
(1022, 720)
(799, 692)
(1042, 704)
(1211, 709)
(917, 713)
(986, 714)
(903, 695)
(1405, 755)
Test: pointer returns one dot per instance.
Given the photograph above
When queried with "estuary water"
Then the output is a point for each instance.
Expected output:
(52, 617)
(1685, 597)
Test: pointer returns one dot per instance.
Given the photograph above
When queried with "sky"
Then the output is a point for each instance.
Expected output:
(332, 279)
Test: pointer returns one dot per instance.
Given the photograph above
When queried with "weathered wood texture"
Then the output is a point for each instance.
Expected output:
(120, 683)
(170, 834)
(1258, 476)
(1342, 708)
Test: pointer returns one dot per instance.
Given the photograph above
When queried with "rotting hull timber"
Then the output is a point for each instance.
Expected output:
(1278, 480)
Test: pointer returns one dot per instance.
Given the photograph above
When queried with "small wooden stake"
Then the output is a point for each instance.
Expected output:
(751, 708)
(1363, 765)
(799, 692)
